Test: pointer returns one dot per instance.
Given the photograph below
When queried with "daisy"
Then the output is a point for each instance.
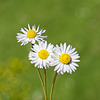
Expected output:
(30, 35)
(65, 58)
(41, 54)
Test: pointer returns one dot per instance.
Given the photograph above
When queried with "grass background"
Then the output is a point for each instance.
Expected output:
(76, 22)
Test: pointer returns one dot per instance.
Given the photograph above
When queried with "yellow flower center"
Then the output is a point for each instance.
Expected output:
(31, 34)
(65, 58)
(43, 54)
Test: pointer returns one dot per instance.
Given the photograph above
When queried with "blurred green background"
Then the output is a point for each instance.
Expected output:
(76, 22)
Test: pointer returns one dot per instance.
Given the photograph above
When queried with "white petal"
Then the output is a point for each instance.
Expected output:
(40, 32)
(20, 34)
(72, 67)
(32, 54)
(41, 66)
(37, 63)
(55, 56)
(26, 29)
(43, 31)
(65, 68)
(41, 63)
(61, 47)
(60, 68)
(68, 48)
(57, 67)
(44, 63)
(73, 63)
(50, 47)
(22, 39)
(37, 29)
(36, 48)
(22, 30)
(57, 50)
(75, 60)
(45, 45)
(33, 41)
(43, 37)
(29, 27)
(68, 68)
(31, 58)
(64, 47)
(55, 63)
(71, 51)
(74, 53)
(75, 57)
(40, 45)
(34, 28)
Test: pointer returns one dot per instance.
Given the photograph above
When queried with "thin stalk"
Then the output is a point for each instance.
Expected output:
(40, 78)
(53, 85)
(45, 92)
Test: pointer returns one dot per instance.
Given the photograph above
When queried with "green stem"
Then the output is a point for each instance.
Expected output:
(45, 93)
(40, 78)
(53, 85)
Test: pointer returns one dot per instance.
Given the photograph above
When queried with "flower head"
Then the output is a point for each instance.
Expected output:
(41, 54)
(30, 35)
(65, 58)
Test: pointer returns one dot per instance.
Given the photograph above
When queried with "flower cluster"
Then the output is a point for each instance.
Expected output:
(43, 55)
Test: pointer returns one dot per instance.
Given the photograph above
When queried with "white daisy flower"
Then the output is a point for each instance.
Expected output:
(65, 58)
(41, 54)
(30, 35)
